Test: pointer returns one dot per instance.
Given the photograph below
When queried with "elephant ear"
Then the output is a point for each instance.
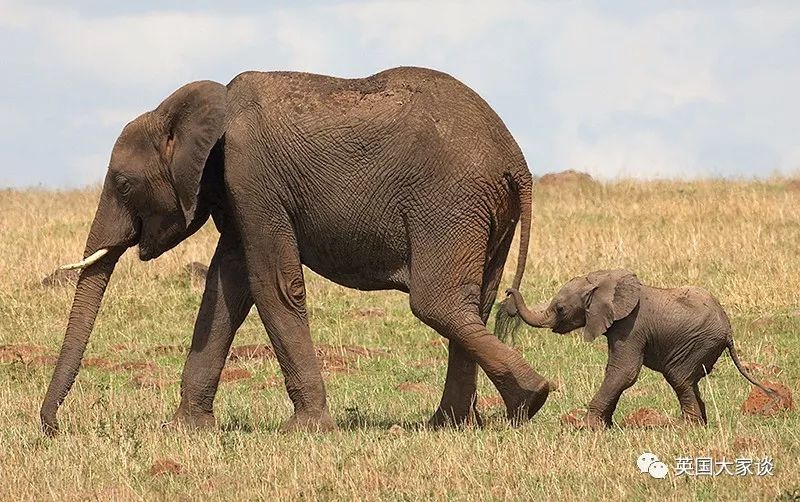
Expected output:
(193, 120)
(615, 295)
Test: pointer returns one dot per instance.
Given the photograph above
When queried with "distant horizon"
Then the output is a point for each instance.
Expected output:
(622, 90)
(776, 178)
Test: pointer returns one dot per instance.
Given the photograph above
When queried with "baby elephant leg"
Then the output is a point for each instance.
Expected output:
(693, 409)
(622, 371)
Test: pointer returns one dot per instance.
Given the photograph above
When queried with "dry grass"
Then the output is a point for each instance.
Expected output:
(739, 240)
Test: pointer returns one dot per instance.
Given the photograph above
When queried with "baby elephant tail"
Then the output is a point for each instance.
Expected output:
(739, 366)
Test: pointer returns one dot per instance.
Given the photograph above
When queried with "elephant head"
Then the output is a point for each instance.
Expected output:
(152, 196)
(594, 301)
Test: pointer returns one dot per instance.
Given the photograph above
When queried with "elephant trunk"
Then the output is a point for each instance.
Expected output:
(88, 295)
(113, 230)
(538, 317)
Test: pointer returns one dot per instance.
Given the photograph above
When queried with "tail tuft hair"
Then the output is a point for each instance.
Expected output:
(507, 322)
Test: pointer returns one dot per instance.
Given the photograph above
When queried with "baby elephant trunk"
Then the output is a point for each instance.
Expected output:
(537, 316)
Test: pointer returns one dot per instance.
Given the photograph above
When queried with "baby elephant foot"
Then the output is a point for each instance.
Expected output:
(309, 422)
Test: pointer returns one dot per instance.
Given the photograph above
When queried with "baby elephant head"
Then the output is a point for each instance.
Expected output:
(593, 301)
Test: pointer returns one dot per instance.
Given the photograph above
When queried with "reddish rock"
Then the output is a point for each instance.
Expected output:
(164, 467)
(759, 403)
(645, 418)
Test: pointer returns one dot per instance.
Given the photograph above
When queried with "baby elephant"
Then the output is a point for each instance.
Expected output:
(678, 332)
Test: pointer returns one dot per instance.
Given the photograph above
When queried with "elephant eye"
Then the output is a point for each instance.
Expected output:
(123, 185)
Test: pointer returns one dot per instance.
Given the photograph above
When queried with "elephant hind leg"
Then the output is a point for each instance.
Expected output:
(445, 294)
(458, 405)
(693, 409)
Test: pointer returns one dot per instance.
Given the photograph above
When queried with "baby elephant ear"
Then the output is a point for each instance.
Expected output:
(615, 296)
(193, 119)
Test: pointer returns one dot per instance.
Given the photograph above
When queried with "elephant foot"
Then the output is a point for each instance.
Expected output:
(191, 419)
(309, 422)
(442, 419)
(524, 405)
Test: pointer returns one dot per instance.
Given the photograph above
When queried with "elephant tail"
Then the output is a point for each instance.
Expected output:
(507, 322)
(739, 366)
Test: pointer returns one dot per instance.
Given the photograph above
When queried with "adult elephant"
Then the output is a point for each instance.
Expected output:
(404, 180)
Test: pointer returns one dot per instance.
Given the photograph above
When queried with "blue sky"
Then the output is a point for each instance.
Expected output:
(617, 89)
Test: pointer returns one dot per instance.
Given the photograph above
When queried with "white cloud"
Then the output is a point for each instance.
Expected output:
(616, 89)
(134, 49)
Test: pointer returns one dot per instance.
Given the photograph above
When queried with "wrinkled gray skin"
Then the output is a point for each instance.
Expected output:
(678, 332)
(404, 180)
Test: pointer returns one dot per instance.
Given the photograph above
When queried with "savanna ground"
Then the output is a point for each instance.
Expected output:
(740, 240)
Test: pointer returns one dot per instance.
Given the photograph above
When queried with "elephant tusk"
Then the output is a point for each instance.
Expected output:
(86, 261)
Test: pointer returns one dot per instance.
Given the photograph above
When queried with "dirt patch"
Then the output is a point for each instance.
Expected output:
(568, 177)
(61, 278)
(746, 443)
(490, 402)
(164, 467)
(251, 352)
(574, 417)
(342, 358)
(134, 365)
(22, 353)
(417, 387)
(166, 350)
(756, 368)
(793, 185)
(233, 374)
(370, 312)
(334, 359)
(759, 403)
(149, 380)
(97, 363)
(647, 418)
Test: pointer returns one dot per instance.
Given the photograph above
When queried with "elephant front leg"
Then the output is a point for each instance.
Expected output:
(278, 288)
(622, 371)
(226, 302)
(458, 407)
